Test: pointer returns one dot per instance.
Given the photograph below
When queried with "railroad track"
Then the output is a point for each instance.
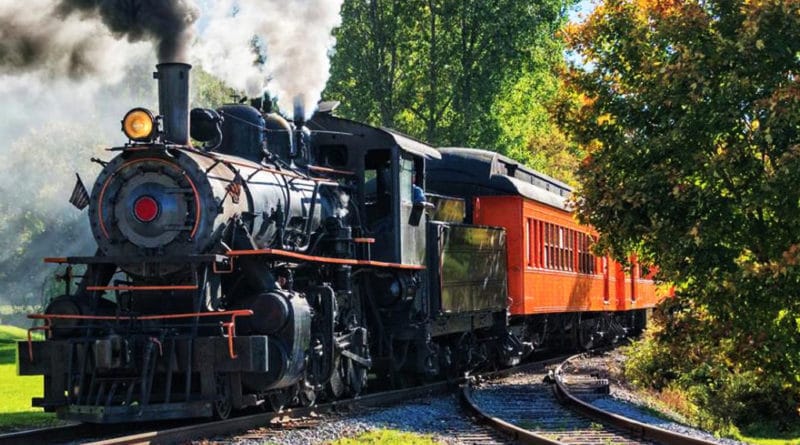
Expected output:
(545, 407)
(536, 405)
(262, 425)
(188, 431)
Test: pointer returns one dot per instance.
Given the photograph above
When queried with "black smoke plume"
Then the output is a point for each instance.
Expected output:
(34, 39)
(167, 22)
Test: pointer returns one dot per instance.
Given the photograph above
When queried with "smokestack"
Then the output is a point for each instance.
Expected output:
(299, 110)
(173, 101)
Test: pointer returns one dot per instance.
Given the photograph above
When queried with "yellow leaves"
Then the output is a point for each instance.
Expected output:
(752, 267)
(593, 146)
(659, 8)
(754, 125)
(759, 44)
(570, 33)
(606, 119)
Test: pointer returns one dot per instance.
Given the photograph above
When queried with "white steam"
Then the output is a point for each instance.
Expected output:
(51, 128)
(294, 35)
(227, 50)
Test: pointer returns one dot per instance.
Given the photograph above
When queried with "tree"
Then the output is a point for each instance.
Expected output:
(441, 69)
(365, 68)
(692, 120)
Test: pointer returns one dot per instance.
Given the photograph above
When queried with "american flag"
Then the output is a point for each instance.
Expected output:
(80, 197)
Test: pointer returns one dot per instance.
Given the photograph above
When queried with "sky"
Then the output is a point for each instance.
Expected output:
(579, 14)
(582, 9)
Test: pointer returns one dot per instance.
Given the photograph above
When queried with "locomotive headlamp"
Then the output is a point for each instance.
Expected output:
(139, 125)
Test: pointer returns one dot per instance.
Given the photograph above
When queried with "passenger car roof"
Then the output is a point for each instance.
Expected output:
(495, 173)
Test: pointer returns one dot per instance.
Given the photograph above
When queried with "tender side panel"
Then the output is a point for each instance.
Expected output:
(470, 267)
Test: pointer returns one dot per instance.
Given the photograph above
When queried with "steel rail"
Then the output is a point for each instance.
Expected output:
(244, 423)
(516, 433)
(635, 429)
(521, 435)
(638, 429)
(42, 435)
(75, 432)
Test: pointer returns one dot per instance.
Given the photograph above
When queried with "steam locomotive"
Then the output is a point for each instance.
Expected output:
(271, 263)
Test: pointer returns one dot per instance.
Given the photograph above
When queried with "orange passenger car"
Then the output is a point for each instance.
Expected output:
(550, 266)
(557, 289)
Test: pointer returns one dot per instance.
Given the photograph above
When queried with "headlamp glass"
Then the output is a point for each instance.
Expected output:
(138, 125)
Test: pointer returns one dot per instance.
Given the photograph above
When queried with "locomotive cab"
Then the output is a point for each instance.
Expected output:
(390, 171)
(394, 204)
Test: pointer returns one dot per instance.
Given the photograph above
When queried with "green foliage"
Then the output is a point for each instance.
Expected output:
(208, 91)
(527, 111)
(692, 120)
(452, 72)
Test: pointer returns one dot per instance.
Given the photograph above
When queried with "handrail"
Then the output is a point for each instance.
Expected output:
(229, 326)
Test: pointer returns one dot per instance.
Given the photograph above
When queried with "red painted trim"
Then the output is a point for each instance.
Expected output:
(197, 208)
(237, 313)
(255, 166)
(100, 205)
(146, 288)
(317, 168)
(229, 326)
(56, 260)
(320, 259)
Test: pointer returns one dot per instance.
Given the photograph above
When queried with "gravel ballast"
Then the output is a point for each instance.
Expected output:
(440, 417)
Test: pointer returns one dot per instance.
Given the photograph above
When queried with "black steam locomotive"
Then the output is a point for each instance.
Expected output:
(267, 263)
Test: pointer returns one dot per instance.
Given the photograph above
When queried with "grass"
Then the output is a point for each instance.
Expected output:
(387, 437)
(15, 392)
(767, 435)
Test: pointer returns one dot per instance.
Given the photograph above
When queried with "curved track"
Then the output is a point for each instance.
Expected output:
(544, 408)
